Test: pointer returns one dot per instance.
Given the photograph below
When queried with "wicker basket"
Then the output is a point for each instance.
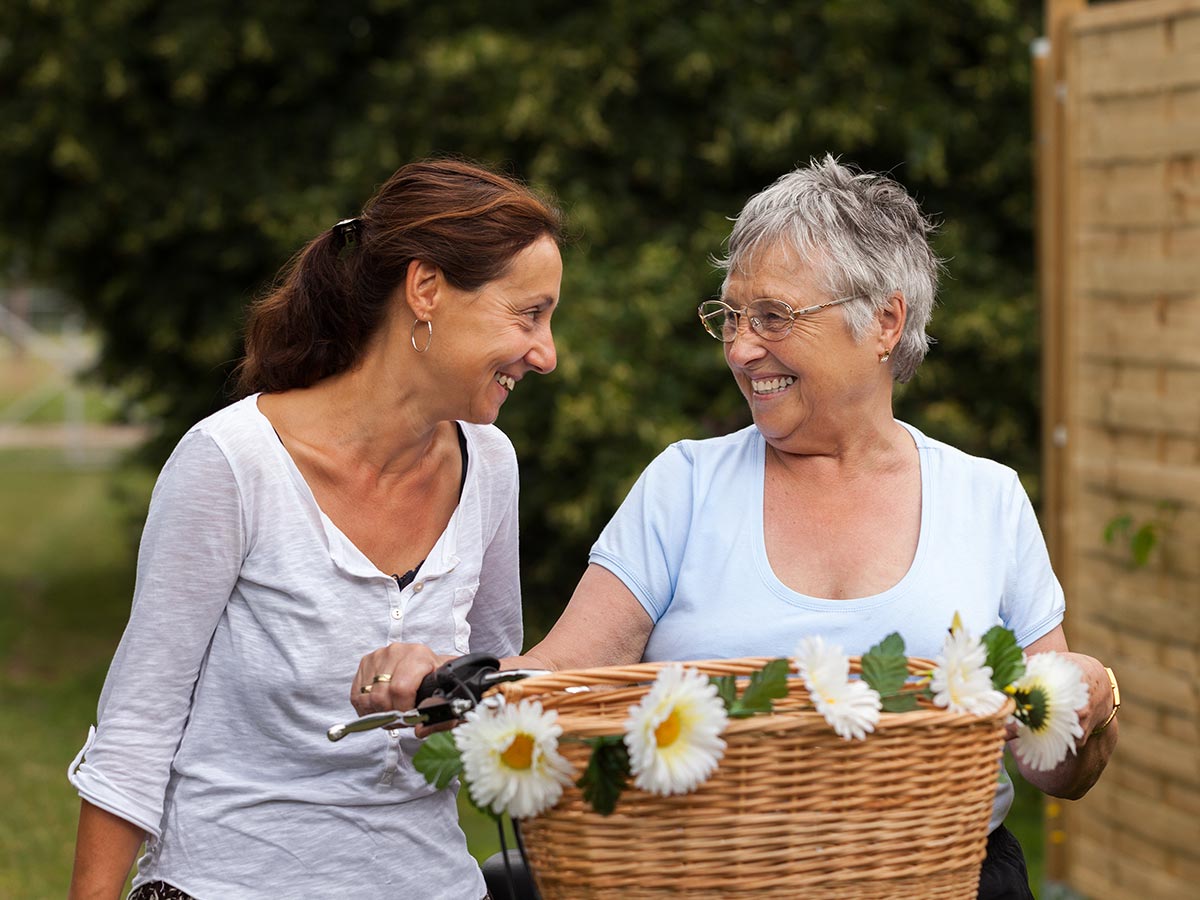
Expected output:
(793, 810)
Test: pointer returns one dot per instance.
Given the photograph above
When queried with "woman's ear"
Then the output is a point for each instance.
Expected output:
(891, 321)
(422, 283)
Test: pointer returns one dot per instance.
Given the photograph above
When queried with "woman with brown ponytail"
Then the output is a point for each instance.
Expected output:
(357, 495)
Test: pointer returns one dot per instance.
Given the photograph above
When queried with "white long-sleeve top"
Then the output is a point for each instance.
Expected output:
(250, 614)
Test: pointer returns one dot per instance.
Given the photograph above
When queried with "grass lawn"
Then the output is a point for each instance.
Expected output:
(65, 582)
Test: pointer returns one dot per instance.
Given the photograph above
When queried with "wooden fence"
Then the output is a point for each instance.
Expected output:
(1117, 111)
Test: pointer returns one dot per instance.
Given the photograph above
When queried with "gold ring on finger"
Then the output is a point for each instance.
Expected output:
(365, 689)
(381, 679)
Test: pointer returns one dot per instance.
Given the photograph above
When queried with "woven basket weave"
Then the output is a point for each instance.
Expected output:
(793, 810)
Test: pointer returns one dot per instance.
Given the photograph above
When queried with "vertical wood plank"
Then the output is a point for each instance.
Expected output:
(1050, 165)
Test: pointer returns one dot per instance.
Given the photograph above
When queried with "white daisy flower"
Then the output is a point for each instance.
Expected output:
(510, 758)
(851, 707)
(1049, 696)
(673, 734)
(961, 681)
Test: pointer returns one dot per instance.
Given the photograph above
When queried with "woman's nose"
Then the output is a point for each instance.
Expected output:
(542, 356)
(745, 347)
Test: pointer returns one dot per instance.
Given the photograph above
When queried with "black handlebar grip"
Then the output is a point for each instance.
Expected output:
(456, 674)
(428, 686)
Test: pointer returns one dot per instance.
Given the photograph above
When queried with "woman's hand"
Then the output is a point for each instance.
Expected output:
(1100, 696)
(1076, 774)
(388, 678)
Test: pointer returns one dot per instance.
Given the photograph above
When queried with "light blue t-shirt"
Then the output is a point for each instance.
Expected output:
(688, 543)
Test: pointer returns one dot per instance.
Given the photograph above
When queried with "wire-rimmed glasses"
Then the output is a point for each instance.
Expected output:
(770, 319)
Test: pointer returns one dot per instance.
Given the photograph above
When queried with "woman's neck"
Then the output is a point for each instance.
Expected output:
(361, 417)
(867, 446)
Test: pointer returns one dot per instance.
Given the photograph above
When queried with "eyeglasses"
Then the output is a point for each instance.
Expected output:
(771, 319)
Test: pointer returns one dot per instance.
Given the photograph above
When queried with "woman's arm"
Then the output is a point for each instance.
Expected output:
(1076, 774)
(603, 625)
(105, 848)
(188, 563)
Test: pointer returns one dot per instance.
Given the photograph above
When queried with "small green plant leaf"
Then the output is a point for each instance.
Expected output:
(885, 667)
(767, 684)
(607, 773)
(1142, 544)
(1116, 526)
(438, 759)
(1004, 656)
(726, 689)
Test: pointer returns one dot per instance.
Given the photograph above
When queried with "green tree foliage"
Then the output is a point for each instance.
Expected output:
(163, 159)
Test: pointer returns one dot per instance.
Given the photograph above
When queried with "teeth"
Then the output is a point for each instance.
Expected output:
(506, 381)
(770, 385)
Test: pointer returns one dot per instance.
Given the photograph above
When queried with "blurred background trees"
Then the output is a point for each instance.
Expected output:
(164, 159)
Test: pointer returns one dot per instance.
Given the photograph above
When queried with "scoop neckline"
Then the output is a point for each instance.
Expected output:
(857, 604)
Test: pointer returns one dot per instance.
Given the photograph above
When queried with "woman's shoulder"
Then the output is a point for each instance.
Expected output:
(731, 447)
(949, 463)
(708, 460)
(234, 417)
(492, 455)
(489, 441)
(237, 418)
(238, 432)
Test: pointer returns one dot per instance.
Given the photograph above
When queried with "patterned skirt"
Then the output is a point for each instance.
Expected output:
(158, 890)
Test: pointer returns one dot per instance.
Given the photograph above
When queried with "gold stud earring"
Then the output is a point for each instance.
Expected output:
(885, 356)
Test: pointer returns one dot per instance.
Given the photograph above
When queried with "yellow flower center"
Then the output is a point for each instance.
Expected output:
(668, 730)
(519, 754)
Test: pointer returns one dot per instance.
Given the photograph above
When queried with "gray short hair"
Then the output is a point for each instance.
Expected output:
(863, 235)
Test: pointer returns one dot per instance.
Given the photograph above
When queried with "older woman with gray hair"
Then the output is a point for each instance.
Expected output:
(827, 515)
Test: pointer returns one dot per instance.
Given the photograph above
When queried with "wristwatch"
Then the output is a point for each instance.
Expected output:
(1112, 679)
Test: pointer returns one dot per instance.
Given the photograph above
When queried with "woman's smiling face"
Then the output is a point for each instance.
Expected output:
(810, 380)
(489, 340)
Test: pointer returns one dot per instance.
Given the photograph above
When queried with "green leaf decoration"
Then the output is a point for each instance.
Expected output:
(1004, 656)
(438, 759)
(885, 668)
(607, 773)
(900, 702)
(767, 684)
(726, 689)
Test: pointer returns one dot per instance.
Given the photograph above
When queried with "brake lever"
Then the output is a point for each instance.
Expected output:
(433, 714)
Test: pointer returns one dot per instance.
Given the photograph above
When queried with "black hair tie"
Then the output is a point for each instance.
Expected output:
(347, 234)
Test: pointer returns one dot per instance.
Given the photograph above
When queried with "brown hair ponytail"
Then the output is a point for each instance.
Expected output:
(333, 295)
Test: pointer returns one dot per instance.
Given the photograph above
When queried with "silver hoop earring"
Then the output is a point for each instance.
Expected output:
(412, 334)
(885, 356)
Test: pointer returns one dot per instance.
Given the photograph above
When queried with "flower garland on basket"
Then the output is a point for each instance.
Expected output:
(507, 754)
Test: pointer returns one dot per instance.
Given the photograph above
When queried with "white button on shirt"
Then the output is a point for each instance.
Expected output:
(249, 617)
